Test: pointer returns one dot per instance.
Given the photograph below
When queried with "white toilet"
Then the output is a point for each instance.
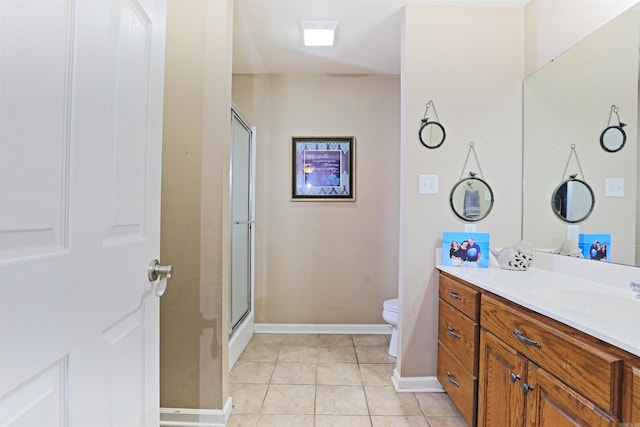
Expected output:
(390, 315)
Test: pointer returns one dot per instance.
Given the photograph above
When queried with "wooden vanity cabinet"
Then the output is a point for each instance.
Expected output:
(511, 366)
(546, 375)
(516, 392)
(458, 335)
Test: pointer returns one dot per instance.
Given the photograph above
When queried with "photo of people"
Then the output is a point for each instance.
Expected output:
(595, 246)
(465, 249)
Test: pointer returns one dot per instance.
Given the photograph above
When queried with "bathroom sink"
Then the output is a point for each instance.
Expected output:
(611, 310)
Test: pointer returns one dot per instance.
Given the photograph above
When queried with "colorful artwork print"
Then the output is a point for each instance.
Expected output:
(464, 249)
(322, 168)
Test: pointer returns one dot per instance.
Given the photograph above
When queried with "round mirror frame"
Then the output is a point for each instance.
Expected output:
(425, 124)
(460, 213)
(608, 130)
(554, 204)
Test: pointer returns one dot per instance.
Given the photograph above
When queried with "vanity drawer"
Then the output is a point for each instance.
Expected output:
(459, 384)
(579, 364)
(460, 335)
(460, 296)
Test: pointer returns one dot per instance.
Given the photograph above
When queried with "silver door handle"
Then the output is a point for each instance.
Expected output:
(156, 270)
(243, 222)
(162, 272)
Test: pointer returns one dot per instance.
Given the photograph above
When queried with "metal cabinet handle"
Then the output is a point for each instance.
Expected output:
(454, 295)
(514, 377)
(526, 388)
(451, 380)
(453, 333)
(526, 340)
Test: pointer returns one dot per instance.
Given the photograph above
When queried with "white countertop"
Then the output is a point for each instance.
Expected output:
(608, 313)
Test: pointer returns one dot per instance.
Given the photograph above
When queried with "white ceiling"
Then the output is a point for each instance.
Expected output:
(267, 36)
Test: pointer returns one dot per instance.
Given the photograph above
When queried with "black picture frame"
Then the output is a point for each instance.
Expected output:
(323, 168)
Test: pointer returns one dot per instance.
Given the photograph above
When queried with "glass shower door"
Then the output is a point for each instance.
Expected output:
(242, 221)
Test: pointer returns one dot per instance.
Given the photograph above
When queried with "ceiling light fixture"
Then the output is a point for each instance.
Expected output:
(319, 33)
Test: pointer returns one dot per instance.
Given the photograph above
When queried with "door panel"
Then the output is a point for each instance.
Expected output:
(35, 213)
(500, 396)
(41, 398)
(552, 403)
(80, 144)
(130, 141)
(241, 241)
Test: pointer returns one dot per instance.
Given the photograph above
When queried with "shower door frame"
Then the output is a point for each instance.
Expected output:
(241, 330)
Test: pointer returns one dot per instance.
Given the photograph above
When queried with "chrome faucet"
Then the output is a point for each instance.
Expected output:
(635, 287)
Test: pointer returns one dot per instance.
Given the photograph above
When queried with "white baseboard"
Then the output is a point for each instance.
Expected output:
(177, 417)
(307, 328)
(416, 384)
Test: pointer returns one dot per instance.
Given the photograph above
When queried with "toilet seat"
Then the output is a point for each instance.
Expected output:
(391, 305)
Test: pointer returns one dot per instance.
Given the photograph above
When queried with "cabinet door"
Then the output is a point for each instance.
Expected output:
(551, 403)
(635, 397)
(502, 373)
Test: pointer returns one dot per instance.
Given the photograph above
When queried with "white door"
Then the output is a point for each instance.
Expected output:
(80, 152)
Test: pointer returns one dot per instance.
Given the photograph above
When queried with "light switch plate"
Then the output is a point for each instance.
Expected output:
(614, 187)
(427, 184)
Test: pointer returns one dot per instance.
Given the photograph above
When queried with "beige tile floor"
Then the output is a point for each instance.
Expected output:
(312, 380)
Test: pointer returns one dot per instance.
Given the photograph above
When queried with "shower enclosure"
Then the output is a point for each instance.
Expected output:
(242, 235)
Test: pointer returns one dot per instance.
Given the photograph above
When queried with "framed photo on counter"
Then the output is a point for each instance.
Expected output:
(464, 249)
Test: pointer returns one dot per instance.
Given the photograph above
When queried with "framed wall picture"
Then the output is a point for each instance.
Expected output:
(323, 168)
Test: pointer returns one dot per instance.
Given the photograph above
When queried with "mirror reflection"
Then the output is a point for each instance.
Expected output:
(563, 103)
(471, 199)
(613, 138)
(573, 200)
(431, 134)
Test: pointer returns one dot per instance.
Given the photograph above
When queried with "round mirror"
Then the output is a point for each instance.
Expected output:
(612, 139)
(573, 200)
(431, 134)
(471, 199)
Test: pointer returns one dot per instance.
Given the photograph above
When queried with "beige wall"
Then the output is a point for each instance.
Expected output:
(470, 62)
(194, 312)
(548, 34)
(324, 261)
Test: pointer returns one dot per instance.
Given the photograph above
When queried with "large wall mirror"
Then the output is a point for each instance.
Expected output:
(567, 102)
